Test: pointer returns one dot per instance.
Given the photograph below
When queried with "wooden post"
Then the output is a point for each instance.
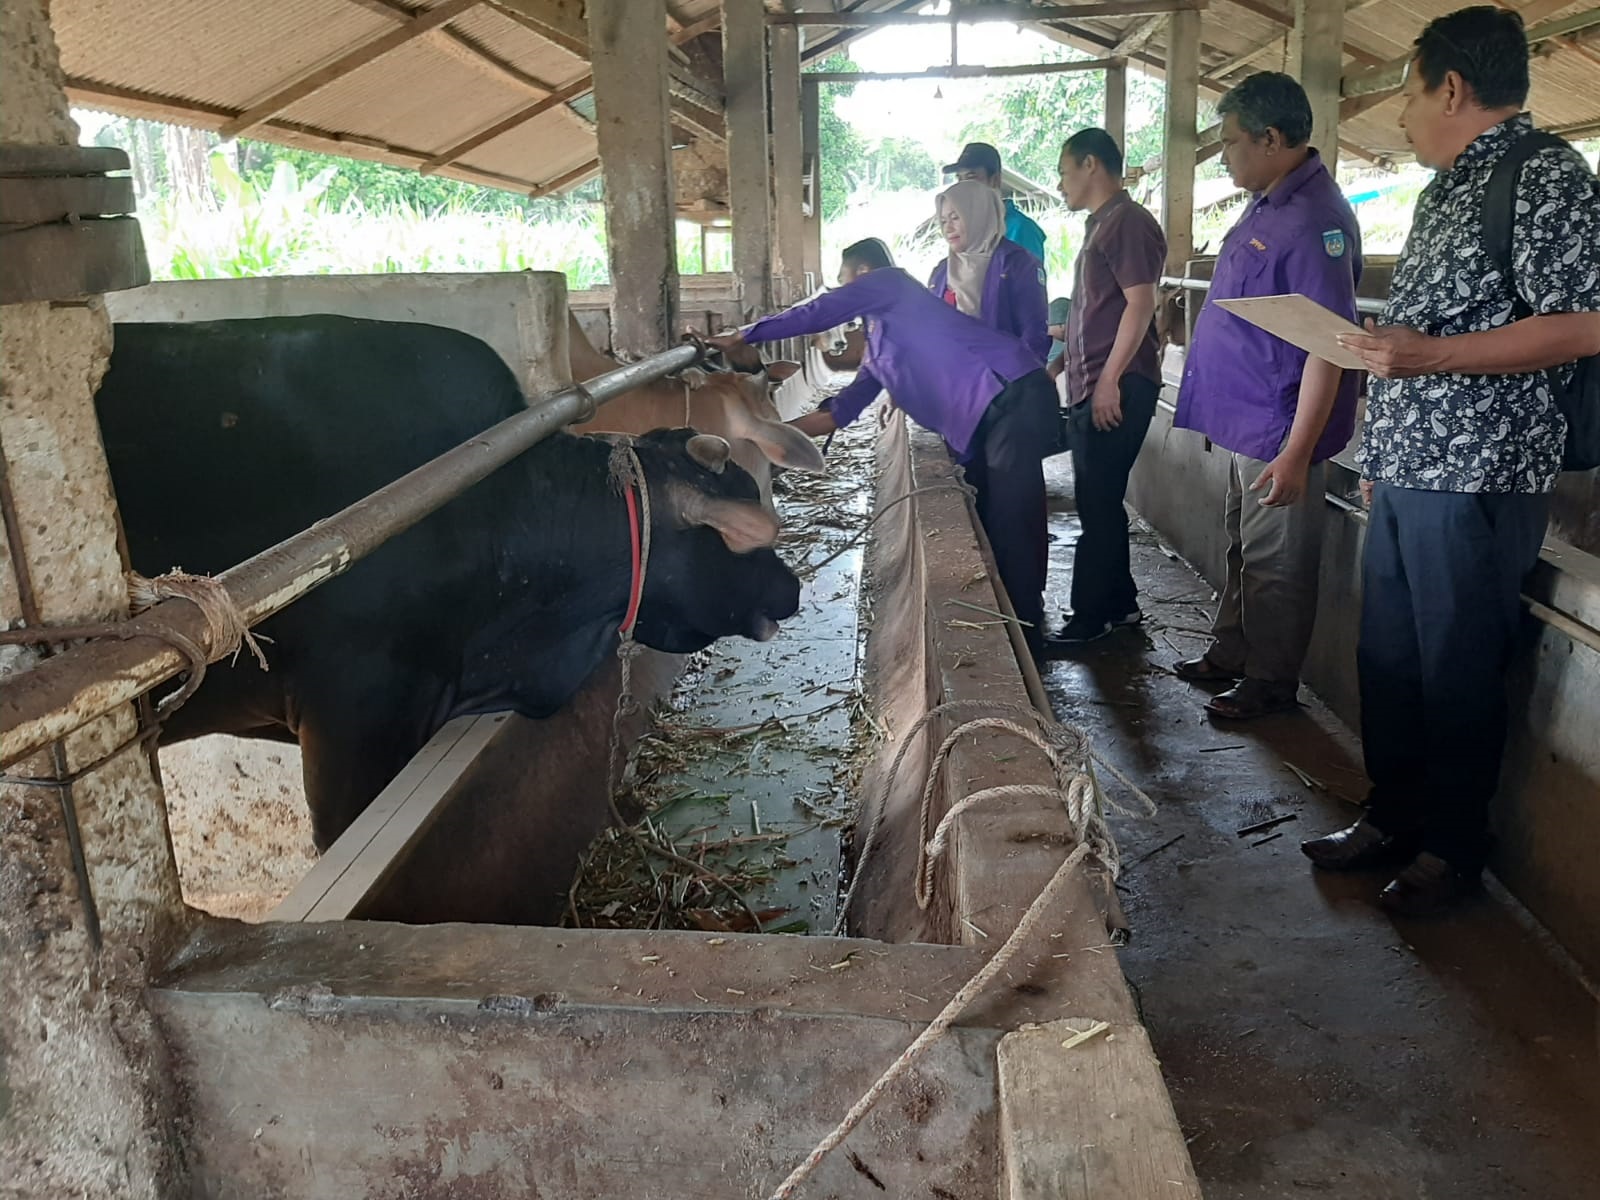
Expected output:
(1117, 106)
(628, 45)
(1316, 59)
(744, 73)
(786, 138)
(1182, 138)
(811, 158)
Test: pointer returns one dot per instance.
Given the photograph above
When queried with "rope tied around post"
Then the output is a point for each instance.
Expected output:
(227, 631)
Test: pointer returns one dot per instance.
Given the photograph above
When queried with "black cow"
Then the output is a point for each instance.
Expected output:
(226, 437)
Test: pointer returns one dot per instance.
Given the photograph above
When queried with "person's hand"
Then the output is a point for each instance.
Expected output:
(1285, 481)
(1395, 351)
(1055, 366)
(725, 342)
(1366, 492)
(886, 412)
(1106, 411)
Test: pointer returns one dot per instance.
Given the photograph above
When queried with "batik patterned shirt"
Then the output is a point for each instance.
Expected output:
(1485, 433)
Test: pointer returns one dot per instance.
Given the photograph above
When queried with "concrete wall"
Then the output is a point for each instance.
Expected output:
(522, 315)
(1548, 812)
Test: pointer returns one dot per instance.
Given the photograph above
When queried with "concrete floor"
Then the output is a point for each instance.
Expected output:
(1313, 1046)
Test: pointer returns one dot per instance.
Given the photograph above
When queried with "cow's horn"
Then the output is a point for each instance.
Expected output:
(710, 451)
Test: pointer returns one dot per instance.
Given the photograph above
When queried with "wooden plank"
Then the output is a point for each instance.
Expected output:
(1316, 59)
(744, 66)
(634, 138)
(390, 844)
(321, 77)
(1116, 109)
(1181, 138)
(969, 71)
(18, 160)
(72, 261)
(1090, 1122)
(297, 905)
(578, 174)
(39, 199)
(811, 171)
(1020, 14)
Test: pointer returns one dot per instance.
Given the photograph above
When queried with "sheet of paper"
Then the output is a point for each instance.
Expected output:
(1300, 321)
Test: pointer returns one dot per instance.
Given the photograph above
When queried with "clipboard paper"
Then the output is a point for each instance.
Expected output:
(1300, 321)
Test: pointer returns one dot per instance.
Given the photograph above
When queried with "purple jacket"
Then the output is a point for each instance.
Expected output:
(1241, 385)
(1014, 298)
(942, 366)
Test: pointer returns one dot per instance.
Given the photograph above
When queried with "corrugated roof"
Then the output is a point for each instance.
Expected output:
(433, 99)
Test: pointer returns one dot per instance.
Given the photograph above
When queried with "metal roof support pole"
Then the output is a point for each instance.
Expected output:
(1116, 112)
(65, 692)
(1316, 59)
(744, 73)
(786, 185)
(634, 130)
(1182, 138)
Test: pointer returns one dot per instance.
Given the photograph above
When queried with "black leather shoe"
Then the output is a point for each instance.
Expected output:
(1361, 846)
(1428, 887)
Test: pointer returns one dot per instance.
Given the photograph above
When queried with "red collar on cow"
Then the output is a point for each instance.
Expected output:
(636, 585)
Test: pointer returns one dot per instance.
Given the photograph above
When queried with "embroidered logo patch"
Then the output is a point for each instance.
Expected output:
(1258, 243)
(1333, 242)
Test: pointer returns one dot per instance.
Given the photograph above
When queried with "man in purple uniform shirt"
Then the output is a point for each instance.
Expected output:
(1113, 376)
(1279, 413)
(983, 391)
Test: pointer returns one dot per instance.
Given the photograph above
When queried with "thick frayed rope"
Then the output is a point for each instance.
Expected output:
(1072, 763)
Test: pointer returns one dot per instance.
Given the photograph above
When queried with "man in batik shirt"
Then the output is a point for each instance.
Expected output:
(1462, 447)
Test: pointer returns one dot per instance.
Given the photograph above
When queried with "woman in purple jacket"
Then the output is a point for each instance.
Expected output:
(987, 276)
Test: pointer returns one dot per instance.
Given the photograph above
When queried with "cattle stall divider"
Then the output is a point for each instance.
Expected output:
(64, 693)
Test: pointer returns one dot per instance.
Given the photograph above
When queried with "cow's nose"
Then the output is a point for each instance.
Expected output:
(786, 599)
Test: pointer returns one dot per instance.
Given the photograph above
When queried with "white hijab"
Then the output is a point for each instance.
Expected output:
(983, 216)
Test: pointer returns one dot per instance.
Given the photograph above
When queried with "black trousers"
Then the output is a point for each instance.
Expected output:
(1006, 466)
(1440, 581)
(1102, 581)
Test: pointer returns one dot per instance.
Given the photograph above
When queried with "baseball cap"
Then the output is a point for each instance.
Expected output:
(976, 155)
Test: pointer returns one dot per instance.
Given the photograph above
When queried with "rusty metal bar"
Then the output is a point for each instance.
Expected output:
(69, 690)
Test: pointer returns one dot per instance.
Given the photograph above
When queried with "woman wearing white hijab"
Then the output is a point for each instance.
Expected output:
(985, 275)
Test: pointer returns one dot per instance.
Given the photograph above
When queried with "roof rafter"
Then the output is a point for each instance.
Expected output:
(353, 60)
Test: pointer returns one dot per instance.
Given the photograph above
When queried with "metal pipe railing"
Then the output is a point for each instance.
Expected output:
(1370, 306)
(67, 691)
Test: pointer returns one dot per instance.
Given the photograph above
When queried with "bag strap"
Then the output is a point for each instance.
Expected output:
(1500, 204)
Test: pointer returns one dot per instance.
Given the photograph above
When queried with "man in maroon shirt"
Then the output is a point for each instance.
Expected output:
(1113, 376)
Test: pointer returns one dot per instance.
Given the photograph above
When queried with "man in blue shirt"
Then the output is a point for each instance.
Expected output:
(981, 161)
(1279, 414)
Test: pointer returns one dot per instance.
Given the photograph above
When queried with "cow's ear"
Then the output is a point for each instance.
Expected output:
(743, 524)
(786, 446)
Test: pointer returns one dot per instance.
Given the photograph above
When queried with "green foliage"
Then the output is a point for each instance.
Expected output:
(843, 152)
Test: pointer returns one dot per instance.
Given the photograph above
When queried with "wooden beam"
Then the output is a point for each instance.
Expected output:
(578, 174)
(319, 78)
(580, 86)
(147, 105)
(1391, 76)
(1020, 14)
(844, 37)
(1178, 153)
(1317, 61)
(1116, 106)
(744, 71)
(788, 219)
(460, 46)
(633, 128)
(1139, 32)
(700, 121)
(962, 71)
(811, 169)
(559, 22)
